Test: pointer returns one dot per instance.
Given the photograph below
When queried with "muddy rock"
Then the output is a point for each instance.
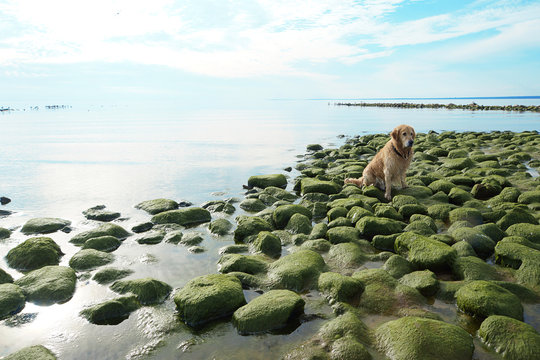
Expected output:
(150, 238)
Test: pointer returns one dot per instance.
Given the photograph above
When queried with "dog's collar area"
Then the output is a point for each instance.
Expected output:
(397, 152)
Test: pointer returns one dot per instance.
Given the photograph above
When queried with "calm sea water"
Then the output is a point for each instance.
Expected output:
(57, 163)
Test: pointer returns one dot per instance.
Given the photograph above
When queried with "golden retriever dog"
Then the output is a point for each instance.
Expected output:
(391, 162)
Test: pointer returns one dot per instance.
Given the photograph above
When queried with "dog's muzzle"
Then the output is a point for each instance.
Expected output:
(410, 143)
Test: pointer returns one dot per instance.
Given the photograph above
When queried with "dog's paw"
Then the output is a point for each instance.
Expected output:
(388, 196)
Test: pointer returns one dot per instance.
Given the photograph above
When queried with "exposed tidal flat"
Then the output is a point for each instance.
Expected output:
(306, 266)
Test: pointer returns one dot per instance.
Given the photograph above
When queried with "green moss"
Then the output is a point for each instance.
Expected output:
(268, 243)
(157, 206)
(5, 277)
(48, 285)
(103, 243)
(99, 213)
(491, 230)
(463, 249)
(420, 227)
(528, 231)
(482, 299)
(44, 225)
(345, 325)
(264, 181)
(250, 225)
(318, 231)
(516, 216)
(184, 217)
(89, 259)
(4, 233)
(416, 191)
(459, 196)
(336, 213)
(423, 281)
(340, 287)
(342, 234)
(473, 268)
(425, 253)
(519, 257)
(296, 271)
(220, 227)
(346, 255)
(458, 163)
(409, 210)
(148, 291)
(299, 224)
(311, 185)
(111, 312)
(12, 300)
(482, 244)
(36, 352)
(441, 185)
(102, 230)
(388, 212)
(471, 215)
(279, 193)
(384, 242)
(400, 200)
(397, 266)
(108, 275)
(282, 214)
(347, 203)
(440, 211)
(356, 213)
(34, 253)
(369, 226)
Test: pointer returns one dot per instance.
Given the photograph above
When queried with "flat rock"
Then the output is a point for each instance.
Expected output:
(88, 259)
(44, 225)
(99, 213)
(48, 285)
(184, 217)
(482, 299)
(148, 291)
(157, 206)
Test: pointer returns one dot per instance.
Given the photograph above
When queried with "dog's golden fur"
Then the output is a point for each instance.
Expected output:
(390, 164)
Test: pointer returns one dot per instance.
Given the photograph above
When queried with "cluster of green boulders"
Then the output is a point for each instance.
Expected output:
(466, 232)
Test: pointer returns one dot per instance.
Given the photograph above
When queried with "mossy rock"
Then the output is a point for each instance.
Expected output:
(219, 206)
(369, 226)
(509, 194)
(270, 311)
(522, 258)
(346, 255)
(458, 163)
(252, 205)
(111, 312)
(374, 192)
(425, 253)
(209, 297)
(299, 224)
(421, 338)
(282, 214)
(318, 231)
(297, 271)
(248, 264)
(279, 193)
(347, 203)
(264, 181)
(5, 277)
(440, 211)
(102, 243)
(157, 206)
(400, 200)
(102, 230)
(530, 232)
(513, 339)
(356, 213)
(191, 238)
(384, 242)
(34, 253)
(424, 281)
(342, 234)
(99, 213)
(44, 225)
(48, 285)
(336, 213)
(441, 185)
(4, 233)
(148, 291)
(340, 287)
(463, 249)
(420, 227)
(220, 227)
(88, 259)
(473, 268)
(268, 243)
(491, 230)
(311, 185)
(471, 215)
(485, 190)
(457, 154)
(482, 299)
(482, 244)
(397, 266)
(347, 324)
(36, 352)
(459, 196)
(250, 225)
(12, 300)
(109, 275)
(388, 212)
(529, 197)
(184, 217)
(173, 237)
(409, 210)
(318, 245)
(349, 348)
(516, 216)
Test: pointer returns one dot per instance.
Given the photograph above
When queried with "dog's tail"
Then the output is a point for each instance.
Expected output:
(357, 182)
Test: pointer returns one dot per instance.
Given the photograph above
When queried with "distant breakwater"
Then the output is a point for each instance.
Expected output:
(471, 106)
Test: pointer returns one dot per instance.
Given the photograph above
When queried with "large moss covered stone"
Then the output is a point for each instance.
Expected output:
(157, 206)
(148, 291)
(250, 225)
(471, 215)
(209, 297)
(483, 298)
(184, 217)
(424, 281)
(220, 227)
(11, 300)
(299, 224)
(523, 258)
(369, 226)
(341, 234)
(270, 311)
(346, 255)
(111, 312)
(106, 243)
(473, 268)
(528, 231)
(425, 253)
(311, 185)
(34, 253)
(267, 243)
(482, 244)
(340, 287)
(282, 214)
(264, 181)
(297, 271)
(48, 285)
(36, 352)
(513, 339)
(44, 225)
(88, 259)
(397, 266)
(420, 338)
(242, 263)
(102, 230)
(516, 216)
(109, 275)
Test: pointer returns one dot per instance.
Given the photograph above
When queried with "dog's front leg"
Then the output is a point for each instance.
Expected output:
(404, 182)
(387, 185)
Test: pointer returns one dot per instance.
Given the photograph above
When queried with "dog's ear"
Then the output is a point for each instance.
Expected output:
(413, 133)
(395, 134)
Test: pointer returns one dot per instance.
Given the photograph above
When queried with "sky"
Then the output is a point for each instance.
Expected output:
(63, 51)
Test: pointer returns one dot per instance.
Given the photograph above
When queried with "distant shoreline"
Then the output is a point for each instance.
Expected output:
(472, 106)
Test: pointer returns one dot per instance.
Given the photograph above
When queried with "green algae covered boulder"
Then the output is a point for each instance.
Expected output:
(424, 281)
(299, 224)
(397, 266)
(209, 297)
(529, 197)
(516, 216)
(48, 285)
(482, 244)
(88, 259)
(4, 233)
(482, 299)
(102, 230)
(440, 211)
(250, 225)
(270, 311)
(342, 234)
(106, 243)
(420, 338)
(11, 300)
(346, 255)
(282, 214)
(36, 352)
(425, 253)
(242, 263)
(492, 230)
(268, 244)
(252, 205)
(520, 257)
(340, 287)
(441, 185)
(513, 339)
(44, 225)
(157, 206)
(369, 226)
(184, 217)
(34, 253)
(459, 196)
(384, 242)
(473, 268)
(458, 163)
(471, 215)
(111, 312)
(264, 181)
(5, 277)
(356, 213)
(311, 185)
(148, 291)
(149, 238)
(99, 213)
(109, 275)
(297, 271)
(220, 227)
(528, 231)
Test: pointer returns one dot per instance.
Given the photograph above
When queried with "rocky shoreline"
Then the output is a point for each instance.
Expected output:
(472, 106)
(466, 232)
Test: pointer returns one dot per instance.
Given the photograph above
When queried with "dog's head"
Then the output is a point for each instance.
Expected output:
(404, 136)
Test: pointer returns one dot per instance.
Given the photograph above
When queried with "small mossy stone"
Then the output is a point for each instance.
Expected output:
(340, 287)
(142, 227)
(36, 352)
(482, 299)
(342, 234)
(268, 243)
(441, 185)
(34, 253)
(220, 227)
(250, 225)
(5, 277)
(425, 253)
(420, 227)
(482, 244)
(369, 226)
(510, 194)
(297, 271)
(473, 268)
(270, 311)
(12, 300)
(346, 255)
(491, 230)
(440, 211)
(184, 217)
(409, 210)
(397, 266)
(318, 231)
(459, 196)
(103, 243)
(299, 224)
(109, 275)
(191, 238)
(88, 259)
(99, 213)
(242, 263)
(424, 281)
(471, 215)
(111, 312)
(4, 233)
(148, 291)
(311, 185)
(516, 216)
(48, 285)
(356, 213)
(219, 206)
(264, 181)
(102, 230)
(282, 214)
(348, 324)
(279, 193)
(209, 297)
(44, 225)
(416, 191)
(252, 205)
(173, 237)
(388, 212)
(347, 203)
(513, 339)
(530, 232)
(157, 206)
(336, 213)
(318, 245)
(463, 249)
(384, 242)
(400, 200)
(420, 338)
(374, 192)
(349, 348)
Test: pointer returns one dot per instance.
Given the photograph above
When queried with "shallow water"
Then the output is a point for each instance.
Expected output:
(57, 163)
